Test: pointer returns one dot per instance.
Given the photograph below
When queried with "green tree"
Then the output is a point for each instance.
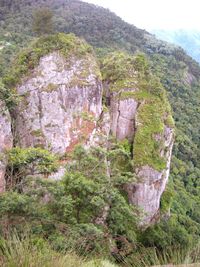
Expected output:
(9, 96)
(42, 21)
(94, 181)
(28, 161)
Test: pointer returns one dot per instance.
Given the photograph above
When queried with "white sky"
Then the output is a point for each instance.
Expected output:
(156, 14)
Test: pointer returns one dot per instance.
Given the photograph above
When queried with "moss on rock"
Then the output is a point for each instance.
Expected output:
(67, 44)
(130, 77)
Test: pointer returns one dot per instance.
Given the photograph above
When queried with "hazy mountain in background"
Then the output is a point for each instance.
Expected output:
(189, 40)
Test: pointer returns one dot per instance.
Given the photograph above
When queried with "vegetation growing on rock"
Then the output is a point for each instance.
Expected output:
(130, 77)
(27, 60)
(179, 75)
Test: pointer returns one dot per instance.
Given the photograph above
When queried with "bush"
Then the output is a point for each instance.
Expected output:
(28, 161)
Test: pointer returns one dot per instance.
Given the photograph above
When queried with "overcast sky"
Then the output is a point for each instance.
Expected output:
(156, 14)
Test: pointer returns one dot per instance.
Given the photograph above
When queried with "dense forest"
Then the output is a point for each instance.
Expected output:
(65, 223)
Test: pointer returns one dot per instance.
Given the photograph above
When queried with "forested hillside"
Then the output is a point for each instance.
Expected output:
(189, 40)
(179, 75)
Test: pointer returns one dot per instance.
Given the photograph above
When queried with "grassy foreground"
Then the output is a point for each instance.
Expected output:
(30, 251)
(27, 252)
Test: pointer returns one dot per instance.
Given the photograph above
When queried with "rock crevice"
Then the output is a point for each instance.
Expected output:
(123, 113)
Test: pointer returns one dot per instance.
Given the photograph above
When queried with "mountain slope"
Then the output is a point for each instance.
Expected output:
(179, 74)
(189, 40)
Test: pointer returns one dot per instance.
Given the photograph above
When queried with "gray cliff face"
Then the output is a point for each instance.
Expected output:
(61, 104)
(123, 114)
(147, 192)
(6, 142)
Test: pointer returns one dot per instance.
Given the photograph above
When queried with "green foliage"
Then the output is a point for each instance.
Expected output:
(41, 160)
(151, 256)
(9, 96)
(182, 82)
(29, 250)
(116, 67)
(166, 200)
(167, 233)
(146, 148)
(14, 203)
(141, 64)
(178, 73)
(83, 211)
(28, 59)
(19, 211)
(42, 21)
(82, 192)
(92, 187)
(29, 161)
(125, 75)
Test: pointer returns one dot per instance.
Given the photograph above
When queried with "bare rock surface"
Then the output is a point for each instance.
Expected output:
(123, 114)
(61, 103)
(147, 192)
(6, 142)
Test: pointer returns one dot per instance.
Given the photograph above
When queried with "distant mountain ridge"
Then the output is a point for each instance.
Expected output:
(189, 40)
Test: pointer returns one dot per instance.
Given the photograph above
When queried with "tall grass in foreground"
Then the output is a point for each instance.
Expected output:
(145, 257)
(27, 252)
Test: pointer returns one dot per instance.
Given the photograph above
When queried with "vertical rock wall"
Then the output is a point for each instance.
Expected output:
(151, 183)
(6, 142)
(123, 114)
(61, 103)
(147, 192)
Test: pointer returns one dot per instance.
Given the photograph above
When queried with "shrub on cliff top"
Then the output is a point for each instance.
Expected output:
(28, 59)
(130, 77)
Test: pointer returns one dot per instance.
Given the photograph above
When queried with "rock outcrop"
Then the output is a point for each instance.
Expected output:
(147, 192)
(151, 183)
(6, 142)
(140, 113)
(61, 102)
(61, 106)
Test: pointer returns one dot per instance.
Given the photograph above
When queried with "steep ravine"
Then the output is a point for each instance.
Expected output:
(61, 106)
